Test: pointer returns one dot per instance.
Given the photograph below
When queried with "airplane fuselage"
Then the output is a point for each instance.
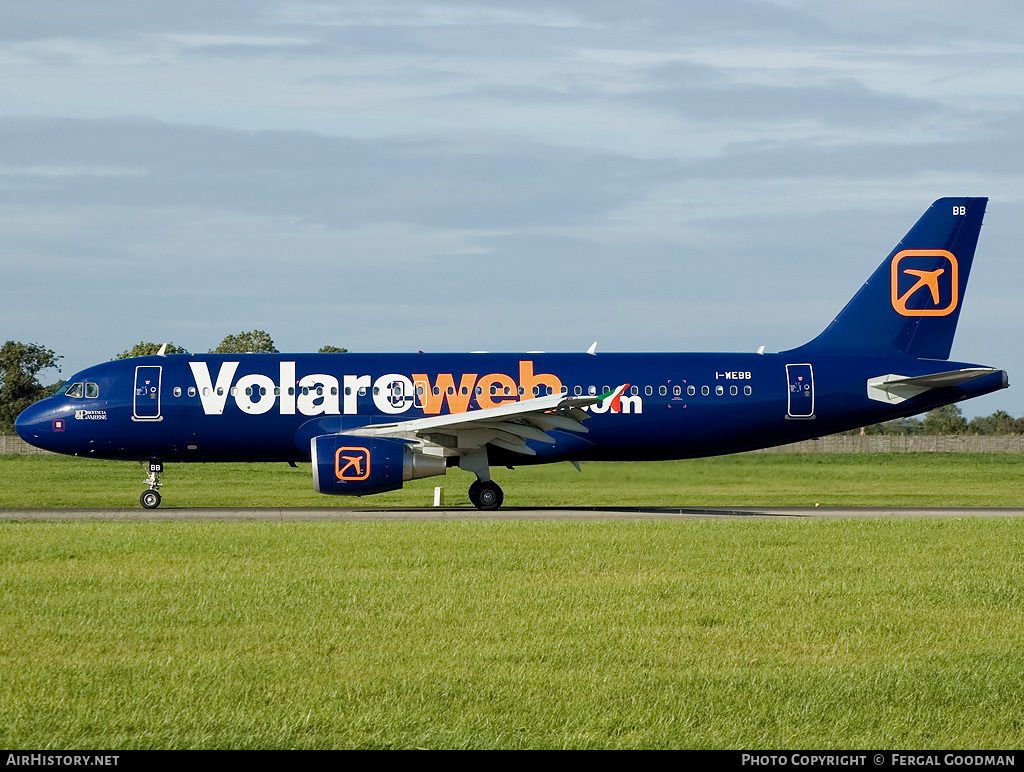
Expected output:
(268, 407)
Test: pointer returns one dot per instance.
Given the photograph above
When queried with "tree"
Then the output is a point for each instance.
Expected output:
(332, 350)
(20, 363)
(947, 419)
(255, 342)
(144, 349)
(1000, 422)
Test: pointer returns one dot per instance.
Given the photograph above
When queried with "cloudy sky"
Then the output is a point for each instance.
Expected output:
(511, 175)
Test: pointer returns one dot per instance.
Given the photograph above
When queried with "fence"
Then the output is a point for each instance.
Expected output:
(10, 443)
(901, 443)
(875, 443)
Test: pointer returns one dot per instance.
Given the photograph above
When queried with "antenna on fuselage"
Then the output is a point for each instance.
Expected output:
(163, 351)
(593, 349)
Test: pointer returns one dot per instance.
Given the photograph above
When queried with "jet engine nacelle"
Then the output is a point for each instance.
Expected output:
(346, 465)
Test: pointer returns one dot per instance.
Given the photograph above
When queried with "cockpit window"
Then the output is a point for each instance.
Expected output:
(92, 390)
(75, 390)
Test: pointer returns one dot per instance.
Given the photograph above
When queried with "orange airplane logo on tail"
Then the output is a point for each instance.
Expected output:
(351, 464)
(941, 280)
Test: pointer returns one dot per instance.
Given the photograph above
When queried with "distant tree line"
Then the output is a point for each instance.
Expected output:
(949, 419)
(21, 363)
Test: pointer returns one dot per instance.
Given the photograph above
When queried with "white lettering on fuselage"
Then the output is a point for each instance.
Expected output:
(392, 393)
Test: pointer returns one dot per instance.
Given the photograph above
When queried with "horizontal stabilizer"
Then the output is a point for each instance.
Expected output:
(894, 389)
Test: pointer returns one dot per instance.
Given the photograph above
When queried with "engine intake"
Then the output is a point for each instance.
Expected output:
(345, 465)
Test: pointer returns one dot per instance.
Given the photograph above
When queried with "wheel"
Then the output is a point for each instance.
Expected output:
(150, 499)
(474, 494)
(488, 496)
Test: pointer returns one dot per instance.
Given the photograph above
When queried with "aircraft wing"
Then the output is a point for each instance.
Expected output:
(894, 388)
(506, 426)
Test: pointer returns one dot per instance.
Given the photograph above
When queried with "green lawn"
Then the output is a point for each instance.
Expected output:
(886, 633)
(919, 479)
(741, 634)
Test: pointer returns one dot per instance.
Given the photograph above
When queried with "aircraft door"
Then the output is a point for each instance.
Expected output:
(146, 404)
(801, 391)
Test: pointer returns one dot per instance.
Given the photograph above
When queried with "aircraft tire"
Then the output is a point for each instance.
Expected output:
(488, 496)
(474, 493)
(150, 499)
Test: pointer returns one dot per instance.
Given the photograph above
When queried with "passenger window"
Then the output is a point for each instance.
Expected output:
(592, 390)
(677, 391)
(719, 390)
(634, 390)
(577, 390)
(75, 391)
(648, 390)
(663, 390)
(704, 390)
(177, 391)
(747, 390)
(191, 391)
(733, 391)
(691, 390)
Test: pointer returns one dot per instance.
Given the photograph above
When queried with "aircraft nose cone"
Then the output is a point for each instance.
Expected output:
(36, 426)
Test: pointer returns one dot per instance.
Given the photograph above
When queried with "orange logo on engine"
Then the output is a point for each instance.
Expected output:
(351, 464)
(926, 279)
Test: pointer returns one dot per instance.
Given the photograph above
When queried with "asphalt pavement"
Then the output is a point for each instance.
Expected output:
(340, 514)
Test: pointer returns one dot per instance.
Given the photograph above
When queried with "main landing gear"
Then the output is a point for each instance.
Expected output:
(486, 494)
(150, 499)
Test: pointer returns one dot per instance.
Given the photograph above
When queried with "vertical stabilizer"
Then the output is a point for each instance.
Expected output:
(911, 304)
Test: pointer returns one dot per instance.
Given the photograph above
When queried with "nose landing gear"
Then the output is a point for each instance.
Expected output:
(150, 499)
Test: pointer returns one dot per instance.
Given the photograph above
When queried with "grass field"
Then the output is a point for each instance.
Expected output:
(897, 479)
(396, 634)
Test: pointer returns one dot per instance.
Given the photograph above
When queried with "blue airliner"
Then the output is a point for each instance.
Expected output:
(369, 422)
